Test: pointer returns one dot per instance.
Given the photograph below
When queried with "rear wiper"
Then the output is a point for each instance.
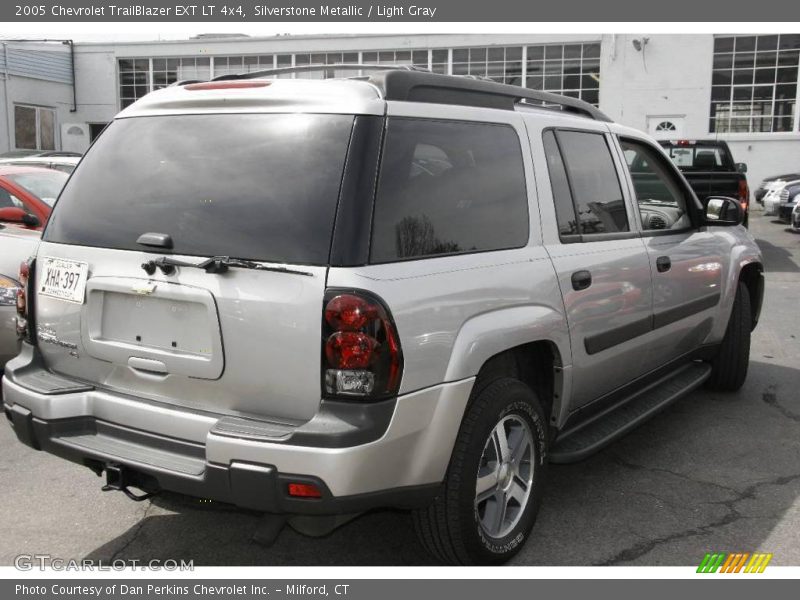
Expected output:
(215, 264)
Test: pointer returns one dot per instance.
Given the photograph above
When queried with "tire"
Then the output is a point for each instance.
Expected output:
(457, 528)
(729, 368)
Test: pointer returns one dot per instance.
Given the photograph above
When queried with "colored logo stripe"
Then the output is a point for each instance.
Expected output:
(734, 563)
(711, 562)
(758, 563)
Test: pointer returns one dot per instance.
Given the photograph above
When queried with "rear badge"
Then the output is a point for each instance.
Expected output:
(48, 336)
(145, 289)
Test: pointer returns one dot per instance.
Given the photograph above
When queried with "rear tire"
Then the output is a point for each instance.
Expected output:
(464, 527)
(729, 368)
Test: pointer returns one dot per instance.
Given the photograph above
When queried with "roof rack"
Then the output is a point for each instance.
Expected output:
(424, 86)
(413, 84)
(304, 68)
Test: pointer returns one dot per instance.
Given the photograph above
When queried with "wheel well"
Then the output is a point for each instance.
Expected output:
(751, 277)
(537, 364)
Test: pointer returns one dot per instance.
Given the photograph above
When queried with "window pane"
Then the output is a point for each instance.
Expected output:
(25, 127)
(594, 182)
(449, 187)
(47, 129)
(565, 211)
(659, 195)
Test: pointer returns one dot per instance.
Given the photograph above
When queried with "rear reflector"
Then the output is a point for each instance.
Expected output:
(225, 85)
(304, 490)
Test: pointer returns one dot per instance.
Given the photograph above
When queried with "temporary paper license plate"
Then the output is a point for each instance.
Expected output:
(63, 279)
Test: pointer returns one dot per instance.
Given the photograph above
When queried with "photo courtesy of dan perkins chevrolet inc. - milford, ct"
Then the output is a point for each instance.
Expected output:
(399, 289)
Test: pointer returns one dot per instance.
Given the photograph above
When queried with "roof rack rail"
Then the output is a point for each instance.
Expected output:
(414, 84)
(304, 68)
(424, 86)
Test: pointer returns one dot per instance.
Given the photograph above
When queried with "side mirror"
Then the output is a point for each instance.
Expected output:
(725, 211)
(31, 220)
(741, 167)
(14, 214)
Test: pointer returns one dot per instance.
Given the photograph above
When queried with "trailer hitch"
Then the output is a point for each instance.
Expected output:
(116, 481)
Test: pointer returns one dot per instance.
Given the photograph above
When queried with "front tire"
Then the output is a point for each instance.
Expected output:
(729, 368)
(494, 483)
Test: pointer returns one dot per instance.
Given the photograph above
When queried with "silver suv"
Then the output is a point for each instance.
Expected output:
(403, 289)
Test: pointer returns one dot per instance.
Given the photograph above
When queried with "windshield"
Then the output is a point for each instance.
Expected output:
(45, 185)
(255, 186)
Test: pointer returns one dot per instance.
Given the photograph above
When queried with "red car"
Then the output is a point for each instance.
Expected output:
(27, 194)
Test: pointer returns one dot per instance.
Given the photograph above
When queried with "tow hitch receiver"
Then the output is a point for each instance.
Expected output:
(116, 481)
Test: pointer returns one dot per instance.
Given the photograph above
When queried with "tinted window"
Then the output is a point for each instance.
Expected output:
(659, 194)
(447, 188)
(565, 211)
(593, 181)
(258, 186)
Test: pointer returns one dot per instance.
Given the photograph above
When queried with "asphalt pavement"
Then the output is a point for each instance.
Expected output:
(714, 472)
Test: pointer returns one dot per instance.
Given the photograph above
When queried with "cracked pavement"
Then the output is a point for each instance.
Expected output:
(713, 472)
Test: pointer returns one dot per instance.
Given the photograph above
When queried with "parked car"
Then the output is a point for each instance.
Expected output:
(27, 194)
(16, 245)
(709, 168)
(427, 291)
(66, 164)
(773, 198)
(795, 222)
(27, 153)
(789, 197)
(772, 182)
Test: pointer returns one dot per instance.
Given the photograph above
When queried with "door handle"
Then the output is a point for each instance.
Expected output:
(581, 280)
(663, 264)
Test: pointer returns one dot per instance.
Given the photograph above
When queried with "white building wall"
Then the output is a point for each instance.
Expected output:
(37, 92)
(670, 76)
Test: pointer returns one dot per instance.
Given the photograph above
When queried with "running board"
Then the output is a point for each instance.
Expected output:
(590, 436)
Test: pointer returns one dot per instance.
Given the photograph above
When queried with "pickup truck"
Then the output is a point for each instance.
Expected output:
(709, 168)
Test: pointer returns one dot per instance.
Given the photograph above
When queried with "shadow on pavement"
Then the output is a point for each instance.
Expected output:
(777, 259)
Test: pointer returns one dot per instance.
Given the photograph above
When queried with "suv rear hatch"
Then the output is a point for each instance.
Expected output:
(112, 311)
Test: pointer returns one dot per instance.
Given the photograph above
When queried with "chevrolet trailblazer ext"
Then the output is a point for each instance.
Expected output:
(397, 290)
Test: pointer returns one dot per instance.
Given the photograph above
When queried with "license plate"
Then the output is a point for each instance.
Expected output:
(63, 279)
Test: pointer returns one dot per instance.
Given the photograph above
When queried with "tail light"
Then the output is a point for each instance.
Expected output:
(744, 194)
(24, 300)
(361, 356)
(8, 291)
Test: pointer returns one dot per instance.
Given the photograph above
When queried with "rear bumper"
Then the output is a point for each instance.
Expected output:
(197, 453)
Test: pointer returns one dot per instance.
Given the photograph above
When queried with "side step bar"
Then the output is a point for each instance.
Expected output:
(594, 434)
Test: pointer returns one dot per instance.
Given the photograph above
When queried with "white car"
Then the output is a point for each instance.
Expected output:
(66, 164)
(772, 198)
(795, 220)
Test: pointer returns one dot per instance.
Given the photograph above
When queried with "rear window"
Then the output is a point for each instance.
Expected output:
(448, 188)
(699, 157)
(256, 186)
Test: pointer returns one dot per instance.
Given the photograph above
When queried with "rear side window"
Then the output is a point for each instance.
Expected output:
(448, 188)
(593, 183)
(255, 186)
